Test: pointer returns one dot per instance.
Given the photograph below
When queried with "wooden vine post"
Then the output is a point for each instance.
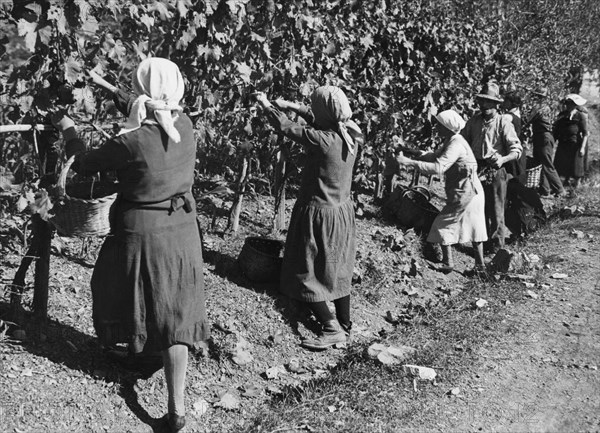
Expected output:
(45, 145)
(236, 208)
(280, 182)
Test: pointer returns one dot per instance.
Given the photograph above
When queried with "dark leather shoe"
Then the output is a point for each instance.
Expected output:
(171, 423)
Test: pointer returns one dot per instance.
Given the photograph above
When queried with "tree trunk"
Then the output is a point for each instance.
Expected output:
(18, 284)
(236, 208)
(42, 270)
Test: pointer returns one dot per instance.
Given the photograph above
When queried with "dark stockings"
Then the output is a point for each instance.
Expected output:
(342, 311)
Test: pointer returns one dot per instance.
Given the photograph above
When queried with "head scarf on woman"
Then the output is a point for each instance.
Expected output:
(331, 109)
(451, 120)
(159, 86)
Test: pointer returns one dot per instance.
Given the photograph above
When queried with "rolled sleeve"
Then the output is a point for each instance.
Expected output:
(302, 134)
(445, 159)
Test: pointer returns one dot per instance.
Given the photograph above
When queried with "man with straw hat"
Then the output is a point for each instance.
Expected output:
(495, 143)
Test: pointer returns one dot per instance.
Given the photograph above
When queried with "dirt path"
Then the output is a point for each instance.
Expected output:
(542, 373)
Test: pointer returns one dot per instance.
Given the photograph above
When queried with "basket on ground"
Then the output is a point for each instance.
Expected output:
(81, 217)
(410, 207)
(260, 259)
(534, 174)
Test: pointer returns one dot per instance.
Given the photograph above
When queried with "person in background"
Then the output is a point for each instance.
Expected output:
(495, 143)
(511, 105)
(462, 220)
(543, 144)
(571, 133)
(320, 247)
(147, 284)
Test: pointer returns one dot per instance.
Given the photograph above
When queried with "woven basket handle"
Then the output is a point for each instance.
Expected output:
(423, 191)
(62, 178)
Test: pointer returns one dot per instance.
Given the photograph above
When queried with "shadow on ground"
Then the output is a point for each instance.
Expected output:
(292, 311)
(64, 345)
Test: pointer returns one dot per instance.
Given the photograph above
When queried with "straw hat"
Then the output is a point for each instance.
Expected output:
(490, 91)
(578, 100)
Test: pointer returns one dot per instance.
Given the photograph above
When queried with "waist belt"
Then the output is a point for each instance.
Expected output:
(171, 204)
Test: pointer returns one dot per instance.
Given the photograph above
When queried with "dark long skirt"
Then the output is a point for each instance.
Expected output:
(567, 161)
(319, 255)
(147, 285)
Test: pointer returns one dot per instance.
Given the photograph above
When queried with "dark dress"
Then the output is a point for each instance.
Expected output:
(320, 247)
(569, 130)
(147, 284)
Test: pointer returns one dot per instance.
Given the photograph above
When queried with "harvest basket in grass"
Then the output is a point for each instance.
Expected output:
(411, 207)
(83, 208)
(260, 259)
(534, 173)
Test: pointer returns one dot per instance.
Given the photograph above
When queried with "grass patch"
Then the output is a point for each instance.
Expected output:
(360, 395)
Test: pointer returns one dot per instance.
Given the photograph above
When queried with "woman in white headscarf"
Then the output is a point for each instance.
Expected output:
(571, 133)
(462, 218)
(321, 242)
(147, 284)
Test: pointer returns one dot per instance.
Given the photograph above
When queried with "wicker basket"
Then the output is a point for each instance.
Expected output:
(260, 259)
(78, 217)
(411, 208)
(534, 174)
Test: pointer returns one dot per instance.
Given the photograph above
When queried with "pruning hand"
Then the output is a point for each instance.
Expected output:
(496, 160)
(99, 81)
(261, 98)
(61, 121)
(401, 159)
(282, 104)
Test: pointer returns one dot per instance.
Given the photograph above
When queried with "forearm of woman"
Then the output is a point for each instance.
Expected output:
(426, 167)
(428, 157)
(583, 147)
(110, 156)
(282, 124)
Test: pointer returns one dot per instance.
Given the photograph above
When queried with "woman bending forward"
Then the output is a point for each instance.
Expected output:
(462, 219)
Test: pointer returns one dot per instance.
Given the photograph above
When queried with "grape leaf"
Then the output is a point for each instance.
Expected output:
(84, 99)
(57, 14)
(27, 30)
(147, 20)
(73, 70)
(45, 34)
(162, 10)
(228, 402)
(244, 71)
(183, 7)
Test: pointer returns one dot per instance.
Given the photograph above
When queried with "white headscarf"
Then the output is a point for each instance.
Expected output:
(159, 86)
(451, 120)
(331, 108)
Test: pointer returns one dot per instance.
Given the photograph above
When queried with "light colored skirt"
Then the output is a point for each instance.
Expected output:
(458, 224)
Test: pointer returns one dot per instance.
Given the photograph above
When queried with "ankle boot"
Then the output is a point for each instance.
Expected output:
(332, 335)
